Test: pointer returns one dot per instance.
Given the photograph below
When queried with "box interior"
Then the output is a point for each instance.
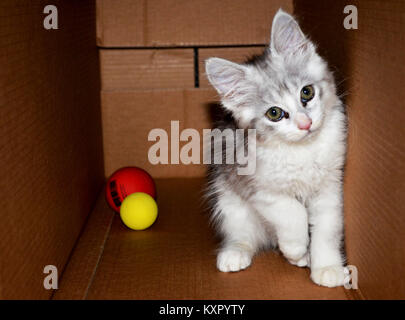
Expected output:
(78, 103)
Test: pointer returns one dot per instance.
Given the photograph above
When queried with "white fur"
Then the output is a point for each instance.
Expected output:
(298, 179)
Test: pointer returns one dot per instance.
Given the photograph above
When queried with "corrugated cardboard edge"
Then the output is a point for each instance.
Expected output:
(77, 277)
(99, 23)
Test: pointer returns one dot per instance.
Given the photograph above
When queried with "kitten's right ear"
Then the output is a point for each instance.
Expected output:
(225, 76)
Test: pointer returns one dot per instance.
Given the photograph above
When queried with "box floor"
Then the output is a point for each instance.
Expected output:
(175, 259)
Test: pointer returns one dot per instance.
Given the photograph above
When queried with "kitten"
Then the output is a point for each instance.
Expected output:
(294, 199)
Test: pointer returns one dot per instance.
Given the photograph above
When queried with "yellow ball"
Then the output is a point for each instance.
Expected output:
(138, 211)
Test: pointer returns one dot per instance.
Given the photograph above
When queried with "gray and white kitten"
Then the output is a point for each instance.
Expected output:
(294, 199)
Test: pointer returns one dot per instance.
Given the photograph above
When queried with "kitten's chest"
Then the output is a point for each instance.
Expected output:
(296, 172)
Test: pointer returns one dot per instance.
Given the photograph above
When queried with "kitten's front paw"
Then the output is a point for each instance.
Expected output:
(233, 260)
(293, 251)
(303, 262)
(331, 276)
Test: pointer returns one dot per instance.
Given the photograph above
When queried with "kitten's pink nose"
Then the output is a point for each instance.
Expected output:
(303, 121)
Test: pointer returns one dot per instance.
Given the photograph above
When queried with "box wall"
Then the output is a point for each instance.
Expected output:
(171, 23)
(146, 69)
(50, 139)
(369, 61)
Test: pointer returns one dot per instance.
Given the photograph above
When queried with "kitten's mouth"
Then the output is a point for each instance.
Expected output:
(311, 132)
(308, 134)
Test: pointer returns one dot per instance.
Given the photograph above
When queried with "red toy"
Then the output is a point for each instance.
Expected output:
(126, 181)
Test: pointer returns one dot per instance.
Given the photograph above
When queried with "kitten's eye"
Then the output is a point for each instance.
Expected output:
(307, 93)
(276, 114)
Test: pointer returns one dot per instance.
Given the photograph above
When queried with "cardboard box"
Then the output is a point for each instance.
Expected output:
(51, 155)
(73, 113)
(147, 69)
(165, 23)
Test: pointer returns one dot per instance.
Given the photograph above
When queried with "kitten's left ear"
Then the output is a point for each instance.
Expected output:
(286, 35)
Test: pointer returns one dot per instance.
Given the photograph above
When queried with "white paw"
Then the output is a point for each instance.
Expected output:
(331, 276)
(233, 260)
(293, 251)
(303, 262)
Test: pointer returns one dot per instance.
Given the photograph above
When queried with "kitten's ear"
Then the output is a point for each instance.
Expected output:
(286, 35)
(224, 75)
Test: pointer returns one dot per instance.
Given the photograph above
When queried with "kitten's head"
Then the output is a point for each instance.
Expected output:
(284, 94)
